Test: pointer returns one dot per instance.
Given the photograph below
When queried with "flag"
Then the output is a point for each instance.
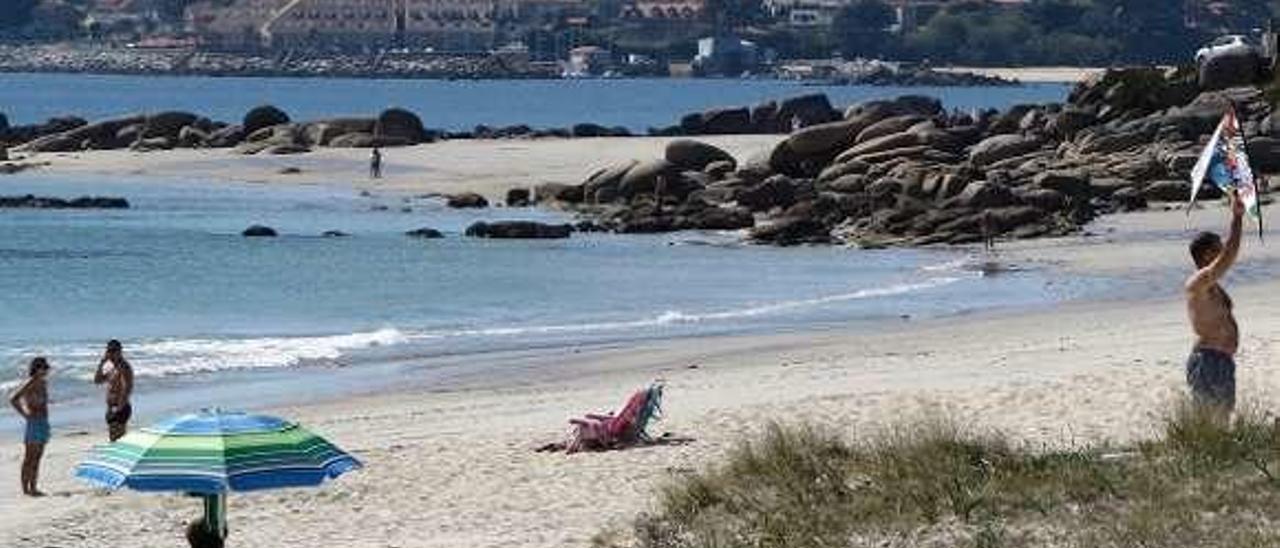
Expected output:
(1226, 163)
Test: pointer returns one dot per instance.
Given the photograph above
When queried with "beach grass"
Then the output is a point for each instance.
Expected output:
(1197, 482)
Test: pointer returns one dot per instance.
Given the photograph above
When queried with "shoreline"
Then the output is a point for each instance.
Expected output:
(453, 464)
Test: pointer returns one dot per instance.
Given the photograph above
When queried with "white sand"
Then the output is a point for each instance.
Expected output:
(455, 467)
(1068, 75)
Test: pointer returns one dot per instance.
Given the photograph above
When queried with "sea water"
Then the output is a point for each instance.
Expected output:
(455, 105)
(191, 298)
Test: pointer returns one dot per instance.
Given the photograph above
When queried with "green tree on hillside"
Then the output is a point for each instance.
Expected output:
(862, 28)
(15, 13)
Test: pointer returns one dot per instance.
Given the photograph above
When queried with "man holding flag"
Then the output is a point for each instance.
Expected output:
(1211, 369)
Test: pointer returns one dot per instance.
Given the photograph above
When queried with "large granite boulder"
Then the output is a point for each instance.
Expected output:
(519, 197)
(226, 137)
(103, 135)
(1002, 147)
(263, 116)
(518, 230)
(191, 137)
(1231, 69)
(603, 186)
(764, 118)
(643, 177)
(984, 194)
(1070, 183)
(888, 126)
(687, 154)
(558, 192)
(401, 124)
(1264, 154)
(776, 191)
(806, 110)
(791, 231)
(168, 124)
(323, 132)
(730, 121)
(466, 200)
(822, 139)
(366, 140)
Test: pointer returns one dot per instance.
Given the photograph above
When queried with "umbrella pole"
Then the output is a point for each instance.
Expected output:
(215, 514)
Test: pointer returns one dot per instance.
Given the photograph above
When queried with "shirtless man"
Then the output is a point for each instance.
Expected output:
(119, 381)
(31, 400)
(1211, 369)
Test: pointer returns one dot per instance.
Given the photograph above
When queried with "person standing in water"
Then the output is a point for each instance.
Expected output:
(375, 163)
(119, 381)
(31, 400)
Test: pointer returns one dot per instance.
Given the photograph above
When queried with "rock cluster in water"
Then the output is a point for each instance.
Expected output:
(906, 172)
(30, 201)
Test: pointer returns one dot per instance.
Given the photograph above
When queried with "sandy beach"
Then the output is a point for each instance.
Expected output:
(1069, 75)
(453, 465)
(490, 167)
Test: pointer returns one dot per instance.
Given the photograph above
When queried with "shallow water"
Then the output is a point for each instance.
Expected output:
(172, 278)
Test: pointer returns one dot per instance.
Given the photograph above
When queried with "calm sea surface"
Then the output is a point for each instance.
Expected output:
(455, 105)
(204, 312)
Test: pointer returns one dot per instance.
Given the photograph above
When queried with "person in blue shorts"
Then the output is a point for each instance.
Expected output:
(31, 400)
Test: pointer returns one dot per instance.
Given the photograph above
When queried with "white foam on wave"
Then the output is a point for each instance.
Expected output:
(675, 317)
(169, 357)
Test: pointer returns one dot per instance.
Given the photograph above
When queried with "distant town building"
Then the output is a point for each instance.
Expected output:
(442, 25)
(588, 61)
(669, 10)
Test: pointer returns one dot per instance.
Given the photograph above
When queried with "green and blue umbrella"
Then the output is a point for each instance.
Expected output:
(214, 451)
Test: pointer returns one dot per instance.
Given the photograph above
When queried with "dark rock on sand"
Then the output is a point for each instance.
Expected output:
(467, 200)
(557, 192)
(518, 197)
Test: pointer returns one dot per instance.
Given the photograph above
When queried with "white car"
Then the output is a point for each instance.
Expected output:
(1223, 44)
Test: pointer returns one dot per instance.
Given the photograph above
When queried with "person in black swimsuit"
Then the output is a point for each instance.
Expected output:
(119, 381)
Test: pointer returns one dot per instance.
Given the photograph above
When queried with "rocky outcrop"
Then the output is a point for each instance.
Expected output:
(905, 172)
(259, 231)
(262, 117)
(518, 197)
(400, 124)
(518, 230)
(30, 201)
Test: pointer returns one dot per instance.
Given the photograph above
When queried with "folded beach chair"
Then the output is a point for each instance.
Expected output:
(612, 431)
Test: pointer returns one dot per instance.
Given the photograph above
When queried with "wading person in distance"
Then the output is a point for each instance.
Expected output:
(119, 380)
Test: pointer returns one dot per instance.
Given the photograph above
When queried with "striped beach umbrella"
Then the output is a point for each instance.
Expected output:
(215, 451)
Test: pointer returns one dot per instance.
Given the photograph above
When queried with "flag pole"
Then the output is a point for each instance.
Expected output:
(1257, 188)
